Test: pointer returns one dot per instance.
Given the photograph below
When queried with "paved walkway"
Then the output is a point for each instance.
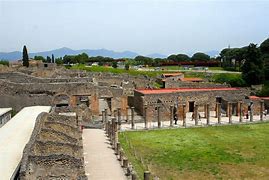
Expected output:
(100, 161)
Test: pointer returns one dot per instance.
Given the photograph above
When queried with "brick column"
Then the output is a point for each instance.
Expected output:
(240, 111)
(207, 114)
(230, 112)
(171, 115)
(145, 117)
(132, 117)
(261, 109)
(158, 117)
(196, 114)
(184, 115)
(218, 113)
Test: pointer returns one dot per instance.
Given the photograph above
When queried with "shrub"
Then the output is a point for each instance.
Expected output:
(235, 80)
(5, 63)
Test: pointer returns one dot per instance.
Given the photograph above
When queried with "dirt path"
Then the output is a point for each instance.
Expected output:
(100, 160)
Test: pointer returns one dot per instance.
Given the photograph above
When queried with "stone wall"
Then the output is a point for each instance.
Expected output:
(54, 150)
(165, 100)
(179, 84)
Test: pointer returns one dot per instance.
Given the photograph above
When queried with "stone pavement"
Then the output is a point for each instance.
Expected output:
(100, 161)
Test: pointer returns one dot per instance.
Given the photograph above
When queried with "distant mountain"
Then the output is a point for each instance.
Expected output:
(16, 55)
(156, 55)
(212, 53)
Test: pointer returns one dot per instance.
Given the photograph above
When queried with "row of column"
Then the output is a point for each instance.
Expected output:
(111, 128)
(195, 114)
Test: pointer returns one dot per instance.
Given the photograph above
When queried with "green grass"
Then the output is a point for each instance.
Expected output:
(227, 152)
(117, 71)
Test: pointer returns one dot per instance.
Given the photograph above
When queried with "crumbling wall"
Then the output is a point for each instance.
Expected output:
(54, 150)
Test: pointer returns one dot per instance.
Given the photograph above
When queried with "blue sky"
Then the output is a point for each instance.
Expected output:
(143, 26)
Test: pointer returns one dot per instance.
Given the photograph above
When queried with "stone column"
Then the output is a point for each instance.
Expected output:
(125, 163)
(218, 113)
(240, 111)
(113, 131)
(103, 116)
(184, 115)
(207, 114)
(146, 116)
(261, 109)
(196, 114)
(158, 117)
(119, 117)
(116, 138)
(205, 111)
(251, 113)
(118, 148)
(106, 120)
(115, 113)
(132, 117)
(230, 112)
(134, 177)
(146, 175)
(127, 114)
(171, 115)
(228, 109)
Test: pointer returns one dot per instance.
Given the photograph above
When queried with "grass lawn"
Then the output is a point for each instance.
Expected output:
(226, 152)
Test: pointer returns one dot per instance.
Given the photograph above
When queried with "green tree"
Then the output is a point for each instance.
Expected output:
(59, 61)
(48, 59)
(127, 66)
(40, 58)
(182, 58)
(200, 57)
(144, 60)
(265, 47)
(114, 64)
(252, 70)
(25, 57)
(82, 58)
(52, 58)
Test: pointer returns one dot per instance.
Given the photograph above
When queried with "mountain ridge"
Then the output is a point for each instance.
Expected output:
(60, 52)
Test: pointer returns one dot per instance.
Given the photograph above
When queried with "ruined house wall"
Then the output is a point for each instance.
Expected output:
(178, 84)
(164, 100)
(54, 150)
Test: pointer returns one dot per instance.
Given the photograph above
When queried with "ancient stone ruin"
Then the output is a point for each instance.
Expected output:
(55, 150)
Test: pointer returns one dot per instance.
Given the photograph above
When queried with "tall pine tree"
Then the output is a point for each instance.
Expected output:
(52, 59)
(25, 57)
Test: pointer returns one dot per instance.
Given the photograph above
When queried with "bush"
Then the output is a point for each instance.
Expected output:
(265, 90)
(5, 63)
(235, 80)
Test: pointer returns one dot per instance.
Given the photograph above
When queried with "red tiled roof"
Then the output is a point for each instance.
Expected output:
(175, 90)
(171, 74)
(191, 79)
(254, 97)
